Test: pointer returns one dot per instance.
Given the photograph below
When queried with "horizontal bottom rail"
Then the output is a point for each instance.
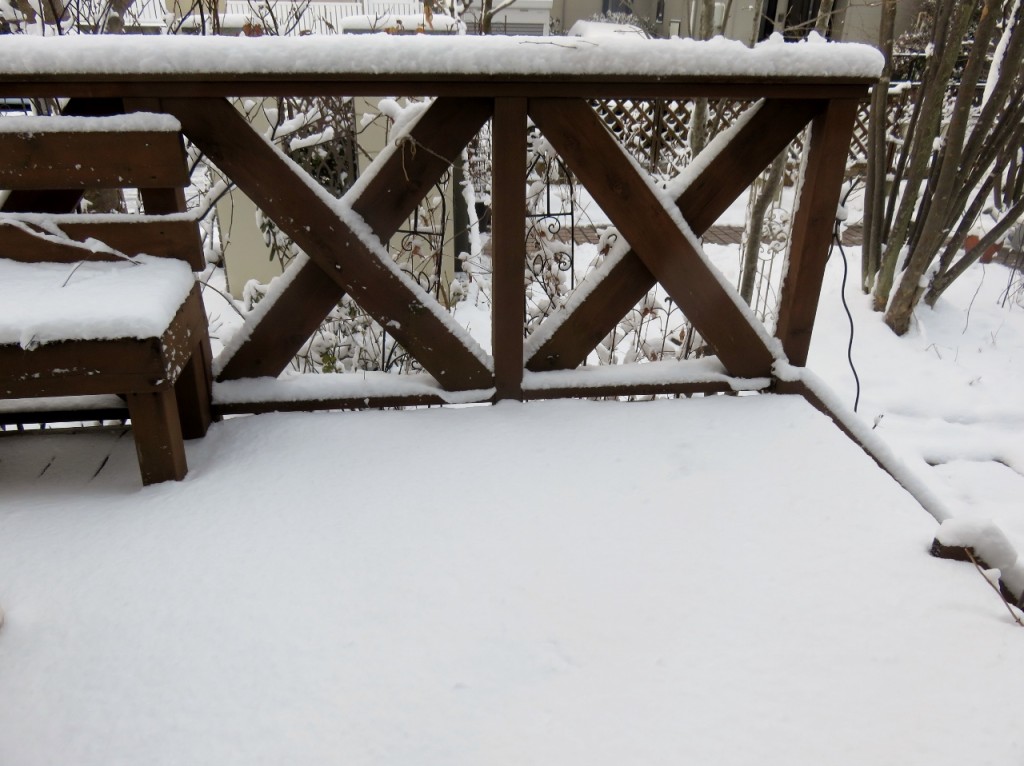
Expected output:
(372, 390)
(369, 400)
(638, 389)
(345, 403)
(356, 402)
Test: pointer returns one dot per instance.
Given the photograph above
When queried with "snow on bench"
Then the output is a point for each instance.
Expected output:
(46, 302)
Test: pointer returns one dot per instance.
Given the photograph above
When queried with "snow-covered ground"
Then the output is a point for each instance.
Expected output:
(948, 395)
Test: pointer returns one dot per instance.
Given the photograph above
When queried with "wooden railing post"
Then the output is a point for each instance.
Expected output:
(508, 248)
(813, 224)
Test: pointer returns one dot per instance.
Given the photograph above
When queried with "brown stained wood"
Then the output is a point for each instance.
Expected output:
(433, 144)
(158, 439)
(163, 201)
(758, 141)
(800, 93)
(368, 402)
(60, 200)
(133, 236)
(387, 201)
(193, 389)
(303, 214)
(622, 287)
(628, 389)
(724, 178)
(215, 85)
(85, 160)
(282, 331)
(83, 368)
(171, 201)
(957, 553)
(73, 368)
(159, 201)
(143, 371)
(598, 161)
(813, 225)
(371, 401)
(508, 248)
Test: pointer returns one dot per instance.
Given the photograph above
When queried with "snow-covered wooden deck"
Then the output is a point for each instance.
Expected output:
(726, 580)
(722, 580)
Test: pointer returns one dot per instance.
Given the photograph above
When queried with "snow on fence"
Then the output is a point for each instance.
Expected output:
(815, 84)
(510, 83)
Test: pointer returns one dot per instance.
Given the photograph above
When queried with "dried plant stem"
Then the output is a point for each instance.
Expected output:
(1007, 604)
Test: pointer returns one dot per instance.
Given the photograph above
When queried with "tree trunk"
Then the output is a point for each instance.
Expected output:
(825, 17)
(485, 17)
(939, 218)
(874, 195)
(755, 225)
(698, 135)
(946, 43)
(943, 281)
(460, 210)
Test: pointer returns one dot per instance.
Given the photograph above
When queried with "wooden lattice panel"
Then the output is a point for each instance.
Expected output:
(656, 132)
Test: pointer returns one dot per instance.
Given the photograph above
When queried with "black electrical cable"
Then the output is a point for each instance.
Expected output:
(838, 242)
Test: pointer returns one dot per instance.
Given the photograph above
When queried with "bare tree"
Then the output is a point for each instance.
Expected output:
(874, 194)
(699, 118)
(824, 19)
(951, 157)
(488, 10)
(767, 191)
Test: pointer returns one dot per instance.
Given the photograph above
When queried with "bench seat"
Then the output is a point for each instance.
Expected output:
(104, 304)
(125, 327)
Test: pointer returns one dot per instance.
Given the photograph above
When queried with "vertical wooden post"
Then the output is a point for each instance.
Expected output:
(157, 432)
(158, 201)
(193, 391)
(813, 224)
(508, 245)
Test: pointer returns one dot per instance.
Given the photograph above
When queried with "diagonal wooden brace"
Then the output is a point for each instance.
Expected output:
(339, 261)
(671, 257)
(754, 144)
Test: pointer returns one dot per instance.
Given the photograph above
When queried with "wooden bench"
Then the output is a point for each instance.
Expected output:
(104, 304)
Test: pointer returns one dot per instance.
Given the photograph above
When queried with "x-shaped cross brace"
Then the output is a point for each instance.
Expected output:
(339, 261)
(663, 252)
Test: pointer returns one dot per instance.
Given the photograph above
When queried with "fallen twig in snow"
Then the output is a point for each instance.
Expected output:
(1007, 604)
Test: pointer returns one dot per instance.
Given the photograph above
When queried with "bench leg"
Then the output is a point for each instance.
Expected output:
(158, 439)
(194, 392)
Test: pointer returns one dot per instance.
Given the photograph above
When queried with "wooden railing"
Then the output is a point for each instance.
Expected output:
(343, 238)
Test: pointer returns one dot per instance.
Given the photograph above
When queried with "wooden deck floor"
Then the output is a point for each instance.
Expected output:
(722, 580)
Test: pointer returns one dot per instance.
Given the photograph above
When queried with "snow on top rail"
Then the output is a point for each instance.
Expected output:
(423, 56)
(137, 121)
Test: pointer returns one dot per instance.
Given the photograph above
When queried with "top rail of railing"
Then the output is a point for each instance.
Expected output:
(182, 66)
